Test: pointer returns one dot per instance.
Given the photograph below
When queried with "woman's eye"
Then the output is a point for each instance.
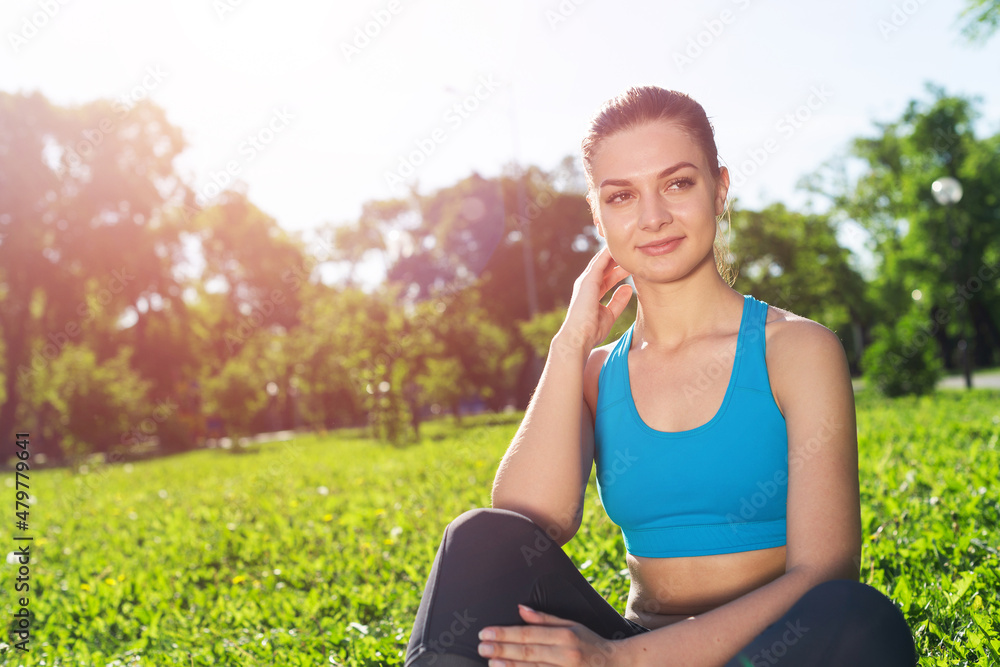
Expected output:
(618, 197)
(680, 184)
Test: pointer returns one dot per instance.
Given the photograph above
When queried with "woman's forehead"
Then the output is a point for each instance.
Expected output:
(645, 150)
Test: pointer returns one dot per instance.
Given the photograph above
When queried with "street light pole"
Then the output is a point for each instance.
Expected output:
(948, 191)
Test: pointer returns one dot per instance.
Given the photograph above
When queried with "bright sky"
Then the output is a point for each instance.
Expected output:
(312, 113)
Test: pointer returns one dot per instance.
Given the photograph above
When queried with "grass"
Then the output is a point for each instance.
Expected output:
(315, 552)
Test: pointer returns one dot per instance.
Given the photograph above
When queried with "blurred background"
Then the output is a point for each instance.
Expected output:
(221, 218)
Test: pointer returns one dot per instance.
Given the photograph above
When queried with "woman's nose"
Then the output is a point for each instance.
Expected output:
(654, 213)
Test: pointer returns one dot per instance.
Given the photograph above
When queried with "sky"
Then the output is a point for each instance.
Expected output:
(318, 107)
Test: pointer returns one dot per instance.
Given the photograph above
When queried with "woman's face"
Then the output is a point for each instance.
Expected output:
(656, 201)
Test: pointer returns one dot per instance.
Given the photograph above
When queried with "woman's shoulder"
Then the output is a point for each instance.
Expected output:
(592, 372)
(790, 334)
(799, 352)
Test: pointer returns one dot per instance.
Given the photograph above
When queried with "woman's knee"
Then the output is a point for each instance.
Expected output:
(859, 598)
(869, 613)
(496, 526)
(496, 533)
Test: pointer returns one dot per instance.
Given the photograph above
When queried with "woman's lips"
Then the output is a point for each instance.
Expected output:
(662, 247)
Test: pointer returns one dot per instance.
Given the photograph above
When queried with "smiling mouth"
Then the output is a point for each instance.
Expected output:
(661, 247)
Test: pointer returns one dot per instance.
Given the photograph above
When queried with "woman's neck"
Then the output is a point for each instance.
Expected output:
(670, 314)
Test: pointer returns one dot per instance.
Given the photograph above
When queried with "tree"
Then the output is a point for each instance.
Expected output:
(81, 238)
(949, 258)
(255, 264)
(902, 359)
(97, 406)
(477, 233)
(794, 261)
(982, 18)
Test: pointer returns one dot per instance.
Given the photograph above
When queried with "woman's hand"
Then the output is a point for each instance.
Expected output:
(588, 322)
(547, 640)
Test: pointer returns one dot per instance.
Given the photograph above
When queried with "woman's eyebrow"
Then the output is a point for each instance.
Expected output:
(663, 174)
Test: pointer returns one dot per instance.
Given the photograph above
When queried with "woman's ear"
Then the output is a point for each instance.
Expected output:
(722, 191)
(591, 200)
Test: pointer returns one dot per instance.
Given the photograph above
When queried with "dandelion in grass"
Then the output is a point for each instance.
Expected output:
(239, 579)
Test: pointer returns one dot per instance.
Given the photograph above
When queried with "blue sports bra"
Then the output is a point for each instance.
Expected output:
(718, 488)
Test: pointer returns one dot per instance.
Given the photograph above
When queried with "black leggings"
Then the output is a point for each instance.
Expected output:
(491, 560)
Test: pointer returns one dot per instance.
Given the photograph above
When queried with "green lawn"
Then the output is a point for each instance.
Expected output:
(314, 552)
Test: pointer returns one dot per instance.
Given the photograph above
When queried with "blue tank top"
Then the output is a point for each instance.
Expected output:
(718, 488)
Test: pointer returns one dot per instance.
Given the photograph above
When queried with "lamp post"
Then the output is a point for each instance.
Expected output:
(271, 388)
(947, 191)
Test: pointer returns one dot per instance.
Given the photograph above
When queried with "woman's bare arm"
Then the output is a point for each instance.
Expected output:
(544, 473)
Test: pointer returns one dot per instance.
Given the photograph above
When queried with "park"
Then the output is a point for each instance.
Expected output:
(272, 310)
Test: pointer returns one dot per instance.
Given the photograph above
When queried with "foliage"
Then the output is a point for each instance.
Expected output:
(81, 236)
(102, 247)
(540, 329)
(903, 359)
(982, 19)
(315, 551)
(98, 401)
(794, 261)
(951, 256)
(236, 394)
(930, 516)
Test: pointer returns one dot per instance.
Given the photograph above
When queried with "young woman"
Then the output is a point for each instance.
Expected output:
(723, 430)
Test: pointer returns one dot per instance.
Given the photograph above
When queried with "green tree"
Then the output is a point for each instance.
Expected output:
(87, 406)
(82, 238)
(257, 267)
(982, 18)
(903, 359)
(794, 261)
(521, 239)
(948, 257)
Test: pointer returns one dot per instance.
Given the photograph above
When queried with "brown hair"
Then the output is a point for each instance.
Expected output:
(645, 104)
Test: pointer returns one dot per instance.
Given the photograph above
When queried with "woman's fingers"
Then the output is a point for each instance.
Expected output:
(607, 315)
(586, 317)
(541, 618)
(544, 641)
(612, 276)
(619, 300)
(532, 654)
